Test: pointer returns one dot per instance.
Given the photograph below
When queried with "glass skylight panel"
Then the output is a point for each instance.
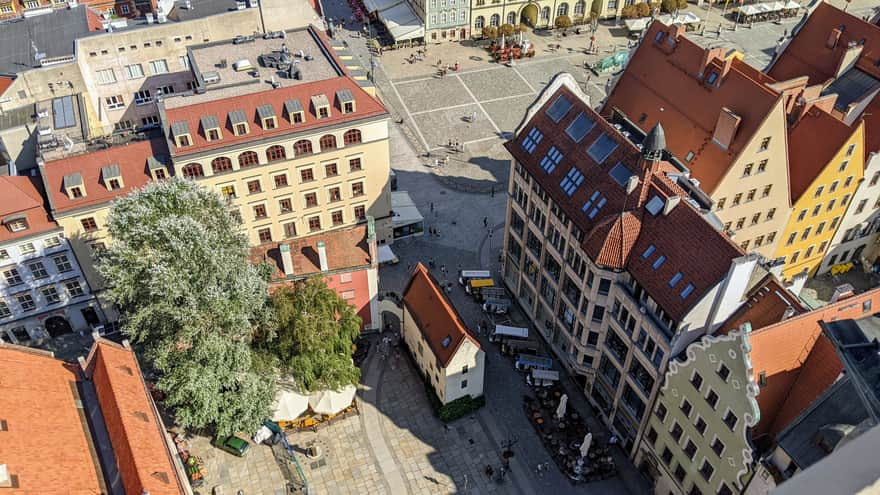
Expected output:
(659, 262)
(599, 205)
(579, 127)
(559, 108)
(675, 279)
(601, 148)
(655, 204)
(687, 291)
(571, 181)
(590, 201)
(446, 341)
(532, 139)
(648, 252)
(621, 174)
(551, 159)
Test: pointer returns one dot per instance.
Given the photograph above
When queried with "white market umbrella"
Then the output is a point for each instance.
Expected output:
(332, 401)
(585, 446)
(560, 411)
(502, 41)
(290, 405)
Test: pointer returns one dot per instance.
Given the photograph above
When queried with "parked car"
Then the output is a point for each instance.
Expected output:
(232, 444)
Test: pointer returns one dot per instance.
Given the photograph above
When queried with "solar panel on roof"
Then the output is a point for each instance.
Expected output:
(621, 174)
(579, 127)
(655, 204)
(601, 148)
(62, 112)
(559, 108)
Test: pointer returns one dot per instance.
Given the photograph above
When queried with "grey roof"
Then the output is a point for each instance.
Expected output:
(16, 117)
(52, 34)
(110, 172)
(320, 101)
(73, 180)
(344, 96)
(851, 86)
(265, 112)
(200, 9)
(209, 122)
(293, 106)
(237, 117)
(856, 341)
(178, 128)
(154, 162)
(655, 140)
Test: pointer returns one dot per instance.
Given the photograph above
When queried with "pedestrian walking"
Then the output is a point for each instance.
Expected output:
(449, 145)
(492, 192)
(432, 206)
(485, 221)
(439, 63)
(431, 262)
(457, 146)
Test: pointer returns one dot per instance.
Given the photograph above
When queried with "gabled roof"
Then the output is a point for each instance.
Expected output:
(435, 316)
(346, 249)
(23, 196)
(5, 83)
(131, 159)
(136, 432)
(662, 85)
(270, 100)
(798, 361)
(622, 227)
(767, 303)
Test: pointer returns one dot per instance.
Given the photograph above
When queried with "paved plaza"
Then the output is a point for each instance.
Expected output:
(255, 473)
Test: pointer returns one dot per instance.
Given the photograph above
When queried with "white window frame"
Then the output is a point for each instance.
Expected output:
(184, 61)
(105, 76)
(143, 97)
(134, 71)
(159, 66)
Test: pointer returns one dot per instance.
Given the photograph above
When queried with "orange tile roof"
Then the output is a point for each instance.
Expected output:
(765, 305)
(346, 248)
(796, 376)
(808, 55)
(132, 161)
(5, 82)
(135, 429)
(365, 106)
(23, 196)
(47, 443)
(807, 155)
(662, 84)
(435, 316)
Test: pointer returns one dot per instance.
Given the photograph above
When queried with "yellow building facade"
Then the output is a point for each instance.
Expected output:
(820, 206)
(541, 13)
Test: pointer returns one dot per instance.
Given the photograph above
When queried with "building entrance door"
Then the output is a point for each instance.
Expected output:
(529, 15)
(57, 326)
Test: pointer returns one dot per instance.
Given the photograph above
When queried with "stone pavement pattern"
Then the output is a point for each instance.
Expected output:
(255, 473)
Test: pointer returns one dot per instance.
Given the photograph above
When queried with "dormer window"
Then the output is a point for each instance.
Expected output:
(211, 128)
(713, 76)
(73, 186)
(268, 119)
(239, 122)
(346, 100)
(321, 105)
(157, 168)
(294, 109)
(181, 134)
(112, 177)
(16, 223)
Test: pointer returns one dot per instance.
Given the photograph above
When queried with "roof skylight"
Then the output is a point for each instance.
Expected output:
(596, 202)
(659, 262)
(601, 148)
(532, 139)
(655, 204)
(551, 159)
(648, 251)
(621, 174)
(687, 291)
(559, 108)
(446, 341)
(571, 181)
(579, 127)
(675, 279)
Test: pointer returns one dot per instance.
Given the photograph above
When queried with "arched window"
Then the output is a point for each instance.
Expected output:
(221, 164)
(328, 142)
(302, 147)
(275, 153)
(511, 18)
(545, 14)
(562, 9)
(495, 20)
(579, 8)
(248, 159)
(479, 22)
(193, 170)
(351, 136)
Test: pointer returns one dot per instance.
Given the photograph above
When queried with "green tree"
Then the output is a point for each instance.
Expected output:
(490, 32)
(507, 29)
(670, 6)
(643, 9)
(563, 22)
(315, 334)
(630, 12)
(178, 270)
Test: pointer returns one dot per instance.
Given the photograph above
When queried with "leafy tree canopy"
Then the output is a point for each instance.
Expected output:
(563, 22)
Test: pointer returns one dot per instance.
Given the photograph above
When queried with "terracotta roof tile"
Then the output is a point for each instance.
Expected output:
(47, 445)
(366, 106)
(613, 238)
(346, 248)
(23, 196)
(435, 316)
(808, 156)
(5, 82)
(136, 432)
(132, 161)
(662, 86)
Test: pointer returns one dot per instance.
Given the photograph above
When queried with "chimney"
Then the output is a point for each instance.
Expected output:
(848, 58)
(709, 54)
(726, 127)
(632, 184)
(5, 478)
(322, 255)
(286, 259)
(833, 38)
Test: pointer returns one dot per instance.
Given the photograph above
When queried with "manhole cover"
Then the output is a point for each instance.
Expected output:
(476, 58)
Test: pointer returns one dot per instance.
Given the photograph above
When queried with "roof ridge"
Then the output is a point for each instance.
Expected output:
(858, 298)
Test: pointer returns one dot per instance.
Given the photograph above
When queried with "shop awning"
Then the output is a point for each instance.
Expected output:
(377, 5)
(402, 22)
(386, 255)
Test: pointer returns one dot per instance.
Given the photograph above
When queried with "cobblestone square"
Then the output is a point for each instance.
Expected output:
(433, 93)
(495, 83)
(506, 113)
(439, 126)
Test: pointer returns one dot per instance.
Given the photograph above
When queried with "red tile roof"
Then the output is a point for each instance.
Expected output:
(47, 444)
(619, 235)
(807, 155)
(5, 82)
(435, 316)
(808, 55)
(797, 361)
(662, 85)
(136, 431)
(132, 161)
(23, 196)
(346, 249)
(365, 106)
(766, 304)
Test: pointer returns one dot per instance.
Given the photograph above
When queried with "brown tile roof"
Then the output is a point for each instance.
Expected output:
(136, 432)
(435, 316)
(766, 304)
(623, 230)
(808, 55)
(807, 155)
(23, 196)
(797, 362)
(47, 441)
(365, 106)
(662, 84)
(132, 161)
(346, 248)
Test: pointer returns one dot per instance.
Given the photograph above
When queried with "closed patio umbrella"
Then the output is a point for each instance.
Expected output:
(585, 447)
(560, 411)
